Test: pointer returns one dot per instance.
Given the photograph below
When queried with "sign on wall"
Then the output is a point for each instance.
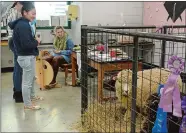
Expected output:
(175, 9)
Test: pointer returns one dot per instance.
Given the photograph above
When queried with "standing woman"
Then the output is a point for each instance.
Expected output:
(26, 48)
(15, 13)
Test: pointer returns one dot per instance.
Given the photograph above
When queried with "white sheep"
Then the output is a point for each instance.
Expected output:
(147, 84)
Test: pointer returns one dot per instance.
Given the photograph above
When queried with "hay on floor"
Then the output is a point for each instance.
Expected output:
(107, 117)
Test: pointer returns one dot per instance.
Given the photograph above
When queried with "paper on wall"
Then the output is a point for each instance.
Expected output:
(55, 20)
(62, 20)
(73, 12)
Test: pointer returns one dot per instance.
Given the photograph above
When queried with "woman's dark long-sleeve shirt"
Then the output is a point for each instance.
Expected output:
(23, 40)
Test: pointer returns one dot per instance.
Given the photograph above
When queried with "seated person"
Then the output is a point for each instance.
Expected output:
(63, 47)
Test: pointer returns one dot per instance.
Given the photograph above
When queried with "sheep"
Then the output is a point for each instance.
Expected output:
(147, 83)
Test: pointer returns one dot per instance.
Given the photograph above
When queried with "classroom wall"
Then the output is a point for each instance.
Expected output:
(112, 13)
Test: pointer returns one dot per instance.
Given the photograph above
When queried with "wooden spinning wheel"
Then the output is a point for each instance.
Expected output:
(44, 70)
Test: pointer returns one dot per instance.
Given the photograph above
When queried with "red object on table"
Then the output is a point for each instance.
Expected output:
(113, 53)
(100, 48)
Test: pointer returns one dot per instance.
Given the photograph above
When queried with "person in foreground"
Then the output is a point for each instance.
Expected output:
(63, 47)
(15, 13)
(26, 48)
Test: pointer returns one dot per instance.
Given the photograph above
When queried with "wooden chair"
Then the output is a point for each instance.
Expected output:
(67, 68)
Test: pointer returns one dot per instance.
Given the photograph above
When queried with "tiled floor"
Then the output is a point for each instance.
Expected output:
(60, 109)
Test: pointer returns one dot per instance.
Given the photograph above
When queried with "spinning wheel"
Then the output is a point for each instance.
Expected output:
(44, 70)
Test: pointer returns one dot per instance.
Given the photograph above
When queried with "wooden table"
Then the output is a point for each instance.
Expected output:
(103, 67)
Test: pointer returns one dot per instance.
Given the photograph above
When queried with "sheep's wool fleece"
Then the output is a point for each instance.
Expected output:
(147, 84)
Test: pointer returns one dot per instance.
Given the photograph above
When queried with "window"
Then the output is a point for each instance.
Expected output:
(47, 9)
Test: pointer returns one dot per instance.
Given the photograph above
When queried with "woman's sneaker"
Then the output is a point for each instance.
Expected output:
(36, 98)
(33, 107)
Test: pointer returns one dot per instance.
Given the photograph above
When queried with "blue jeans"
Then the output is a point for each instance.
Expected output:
(27, 63)
(18, 72)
